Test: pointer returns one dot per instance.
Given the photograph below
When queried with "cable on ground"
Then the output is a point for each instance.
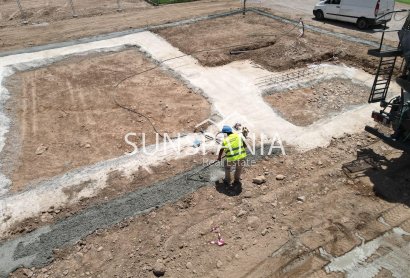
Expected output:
(281, 35)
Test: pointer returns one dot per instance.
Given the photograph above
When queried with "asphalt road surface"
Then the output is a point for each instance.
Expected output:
(304, 8)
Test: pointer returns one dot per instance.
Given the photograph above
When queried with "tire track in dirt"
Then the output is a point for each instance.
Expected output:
(84, 107)
(73, 100)
(24, 109)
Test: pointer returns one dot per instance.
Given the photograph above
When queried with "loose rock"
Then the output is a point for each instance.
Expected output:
(188, 265)
(259, 180)
(253, 222)
(28, 272)
(241, 213)
(41, 149)
(301, 198)
(280, 177)
(159, 268)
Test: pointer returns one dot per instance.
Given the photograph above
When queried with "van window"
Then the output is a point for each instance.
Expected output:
(334, 2)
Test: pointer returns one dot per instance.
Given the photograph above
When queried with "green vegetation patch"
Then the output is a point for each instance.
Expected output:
(403, 1)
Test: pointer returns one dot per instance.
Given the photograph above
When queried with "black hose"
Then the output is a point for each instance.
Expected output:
(282, 34)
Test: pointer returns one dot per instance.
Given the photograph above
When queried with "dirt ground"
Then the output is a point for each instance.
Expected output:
(305, 106)
(271, 230)
(40, 11)
(50, 21)
(66, 115)
(17, 36)
(117, 185)
(269, 43)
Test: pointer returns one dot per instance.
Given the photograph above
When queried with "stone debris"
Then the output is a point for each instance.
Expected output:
(41, 149)
(259, 180)
(159, 268)
(247, 194)
(28, 272)
(301, 198)
(264, 232)
(280, 177)
(219, 264)
(188, 265)
(241, 213)
(253, 222)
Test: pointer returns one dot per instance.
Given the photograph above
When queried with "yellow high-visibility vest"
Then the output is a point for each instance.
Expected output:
(234, 148)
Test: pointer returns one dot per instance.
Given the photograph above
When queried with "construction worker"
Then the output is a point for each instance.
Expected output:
(235, 154)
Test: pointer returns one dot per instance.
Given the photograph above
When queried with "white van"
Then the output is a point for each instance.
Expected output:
(362, 12)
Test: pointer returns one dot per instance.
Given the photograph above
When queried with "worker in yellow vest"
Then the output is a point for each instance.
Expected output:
(235, 154)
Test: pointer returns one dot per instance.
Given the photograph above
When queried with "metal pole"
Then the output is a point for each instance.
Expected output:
(244, 7)
(72, 8)
(119, 9)
(23, 15)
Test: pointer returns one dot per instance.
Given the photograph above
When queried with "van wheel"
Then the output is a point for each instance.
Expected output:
(319, 15)
(362, 23)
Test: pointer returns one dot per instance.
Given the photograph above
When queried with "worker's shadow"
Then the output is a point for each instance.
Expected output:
(391, 181)
(228, 190)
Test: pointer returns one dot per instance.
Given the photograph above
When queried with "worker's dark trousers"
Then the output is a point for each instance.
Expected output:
(238, 170)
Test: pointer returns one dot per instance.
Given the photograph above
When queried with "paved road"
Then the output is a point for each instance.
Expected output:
(303, 9)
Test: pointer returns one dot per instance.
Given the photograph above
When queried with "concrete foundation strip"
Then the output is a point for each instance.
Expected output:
(190, 21)
(36, 248)
(118, 34)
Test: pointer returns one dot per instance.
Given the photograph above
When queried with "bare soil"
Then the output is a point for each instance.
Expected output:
(267, 230)
(117, 186)
(66, 117)
(18, 36)
(269, 43)
(305, 106)
(40, 11)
